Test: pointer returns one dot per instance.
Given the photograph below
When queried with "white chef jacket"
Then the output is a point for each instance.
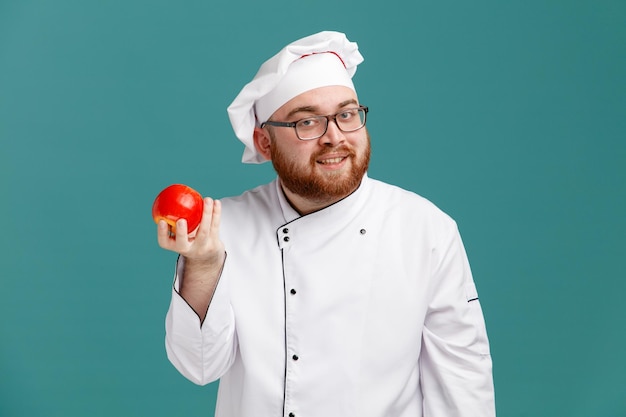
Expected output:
(366, 308)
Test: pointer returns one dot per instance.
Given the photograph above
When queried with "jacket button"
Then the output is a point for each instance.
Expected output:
(293, 291)
(292, 415)
(285, 230)
(286, 238)
(295, 357)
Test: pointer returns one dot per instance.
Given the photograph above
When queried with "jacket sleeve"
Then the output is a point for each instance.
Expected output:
(202, 352)
(456, 367)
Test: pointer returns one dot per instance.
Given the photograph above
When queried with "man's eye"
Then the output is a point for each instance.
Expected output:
(307, 123)
(346, 115)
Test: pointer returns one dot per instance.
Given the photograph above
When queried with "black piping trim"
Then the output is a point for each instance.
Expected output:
(282, 257)
(214, 289)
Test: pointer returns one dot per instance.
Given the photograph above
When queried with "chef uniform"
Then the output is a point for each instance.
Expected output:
(366, 308)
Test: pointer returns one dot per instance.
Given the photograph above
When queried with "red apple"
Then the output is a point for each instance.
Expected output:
(178, 201)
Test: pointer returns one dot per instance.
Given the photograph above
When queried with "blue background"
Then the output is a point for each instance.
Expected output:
(509, 115)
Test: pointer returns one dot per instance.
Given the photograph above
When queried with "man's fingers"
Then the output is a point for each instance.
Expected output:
(217, 216)
(181, 228)
(203, 242)
(207, 217)
(164, 235)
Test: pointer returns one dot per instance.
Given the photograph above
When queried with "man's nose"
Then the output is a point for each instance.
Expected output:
(333, 135)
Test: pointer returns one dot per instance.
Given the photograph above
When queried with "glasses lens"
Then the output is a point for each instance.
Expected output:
(351, 119)
(311, 128)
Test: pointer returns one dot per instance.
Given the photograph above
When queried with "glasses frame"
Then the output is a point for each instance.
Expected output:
(329, 118)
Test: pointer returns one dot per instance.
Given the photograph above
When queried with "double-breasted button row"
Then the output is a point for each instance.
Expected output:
(283, 234)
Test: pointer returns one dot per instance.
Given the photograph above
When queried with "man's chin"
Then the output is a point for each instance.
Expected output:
(332, 175)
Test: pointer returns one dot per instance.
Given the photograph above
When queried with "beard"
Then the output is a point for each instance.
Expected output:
(306, 182)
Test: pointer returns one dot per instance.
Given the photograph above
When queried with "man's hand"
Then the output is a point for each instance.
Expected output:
(203, 254)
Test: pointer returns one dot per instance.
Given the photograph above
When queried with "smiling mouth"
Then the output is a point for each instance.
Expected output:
(331, 161)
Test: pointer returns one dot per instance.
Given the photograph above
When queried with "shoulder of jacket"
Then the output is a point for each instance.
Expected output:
(409, 202)
(252, 196)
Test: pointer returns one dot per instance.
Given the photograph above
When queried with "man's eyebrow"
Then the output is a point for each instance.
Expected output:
(345, 103)
(303, 109)
(314, 109)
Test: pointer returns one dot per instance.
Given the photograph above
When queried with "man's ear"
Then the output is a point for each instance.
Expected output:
(262, 143)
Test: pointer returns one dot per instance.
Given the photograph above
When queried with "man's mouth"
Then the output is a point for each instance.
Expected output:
(330, 161)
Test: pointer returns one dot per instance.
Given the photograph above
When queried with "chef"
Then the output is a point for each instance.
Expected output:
(325, 293)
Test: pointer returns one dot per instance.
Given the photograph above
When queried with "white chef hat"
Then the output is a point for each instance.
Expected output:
(320, 60)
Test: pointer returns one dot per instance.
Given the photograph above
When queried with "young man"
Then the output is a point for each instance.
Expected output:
(324, 293)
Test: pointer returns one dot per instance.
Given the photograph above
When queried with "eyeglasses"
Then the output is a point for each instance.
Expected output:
(348, 120)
